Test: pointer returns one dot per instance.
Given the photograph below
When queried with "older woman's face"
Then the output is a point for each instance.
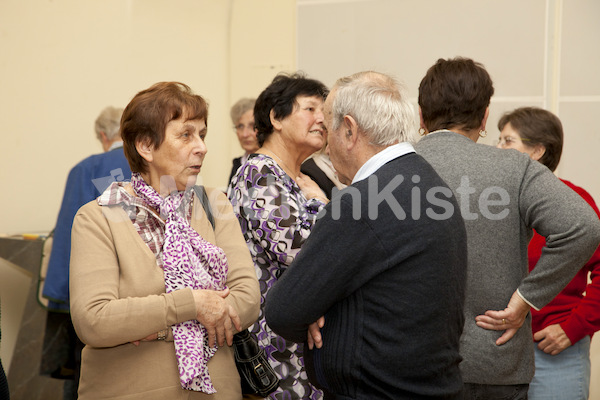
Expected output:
(511, 139)
(246, 133)
(180, 156)
(304, 127)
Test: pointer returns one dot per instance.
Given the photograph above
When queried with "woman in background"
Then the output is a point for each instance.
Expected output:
(242, 117)
(562, 330)
(156, 292)
(277, 205)
(320, 169)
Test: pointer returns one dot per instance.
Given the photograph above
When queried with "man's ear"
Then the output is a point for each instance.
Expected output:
(104, 141)
(351, 131)
(145, 150)
(103, 137)
(274, 121)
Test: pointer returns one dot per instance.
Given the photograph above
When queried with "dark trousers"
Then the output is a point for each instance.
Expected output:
(474, 391)
(61, 355)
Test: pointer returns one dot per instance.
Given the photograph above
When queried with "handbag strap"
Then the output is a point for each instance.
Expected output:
(203, 198)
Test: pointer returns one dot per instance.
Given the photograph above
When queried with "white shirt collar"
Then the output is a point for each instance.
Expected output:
(115, 145)
(383, 157)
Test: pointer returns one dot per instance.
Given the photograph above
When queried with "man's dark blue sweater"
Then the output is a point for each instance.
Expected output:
(386, 266)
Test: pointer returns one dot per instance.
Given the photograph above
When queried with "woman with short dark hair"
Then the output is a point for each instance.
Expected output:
(157, 291)
(277, 205)
(562, 330)
(533, 131)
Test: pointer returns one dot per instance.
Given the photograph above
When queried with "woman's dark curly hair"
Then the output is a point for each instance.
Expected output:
(280, 96)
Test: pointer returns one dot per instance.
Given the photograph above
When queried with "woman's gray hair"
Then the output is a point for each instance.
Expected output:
(379, 105)
(240, 107)
(109, 122)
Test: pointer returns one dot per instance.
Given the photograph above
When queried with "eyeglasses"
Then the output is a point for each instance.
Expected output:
(508, 141)
(242, 127)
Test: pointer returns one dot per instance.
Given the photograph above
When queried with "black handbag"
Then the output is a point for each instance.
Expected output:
(256, 374)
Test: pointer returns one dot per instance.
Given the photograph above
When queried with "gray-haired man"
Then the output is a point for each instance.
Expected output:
(385, 265)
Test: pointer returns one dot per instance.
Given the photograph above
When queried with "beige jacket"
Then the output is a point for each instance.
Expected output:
(118, 296)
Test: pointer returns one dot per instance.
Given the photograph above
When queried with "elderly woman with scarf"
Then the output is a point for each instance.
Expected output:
(157, 291)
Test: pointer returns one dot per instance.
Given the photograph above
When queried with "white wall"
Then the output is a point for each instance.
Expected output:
(65, 60)
(62, 61)
(539, 52)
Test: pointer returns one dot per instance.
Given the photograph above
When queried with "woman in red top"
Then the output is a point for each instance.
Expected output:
(562, 330)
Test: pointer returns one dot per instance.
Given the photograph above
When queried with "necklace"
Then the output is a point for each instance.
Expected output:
(284, 165)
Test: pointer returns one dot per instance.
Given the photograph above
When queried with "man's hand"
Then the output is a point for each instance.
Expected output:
(216, 315)
(314, 334)
(552, 339)
(510, 319)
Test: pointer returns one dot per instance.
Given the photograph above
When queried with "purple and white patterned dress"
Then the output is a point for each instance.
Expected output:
(276, 219)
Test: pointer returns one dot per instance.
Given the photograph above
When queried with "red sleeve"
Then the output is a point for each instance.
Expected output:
(584, 319)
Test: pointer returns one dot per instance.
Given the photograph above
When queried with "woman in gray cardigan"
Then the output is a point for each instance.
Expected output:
(502, 195)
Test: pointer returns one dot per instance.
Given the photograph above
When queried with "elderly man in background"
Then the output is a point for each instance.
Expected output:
(385, 265)
(86, 181)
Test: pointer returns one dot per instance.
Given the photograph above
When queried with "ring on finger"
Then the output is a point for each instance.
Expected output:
(503, 321)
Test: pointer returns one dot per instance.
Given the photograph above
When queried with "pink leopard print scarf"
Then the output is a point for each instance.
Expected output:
(188, 261)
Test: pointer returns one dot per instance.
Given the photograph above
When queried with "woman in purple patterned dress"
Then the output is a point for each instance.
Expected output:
(277, 205)
(157, 291)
